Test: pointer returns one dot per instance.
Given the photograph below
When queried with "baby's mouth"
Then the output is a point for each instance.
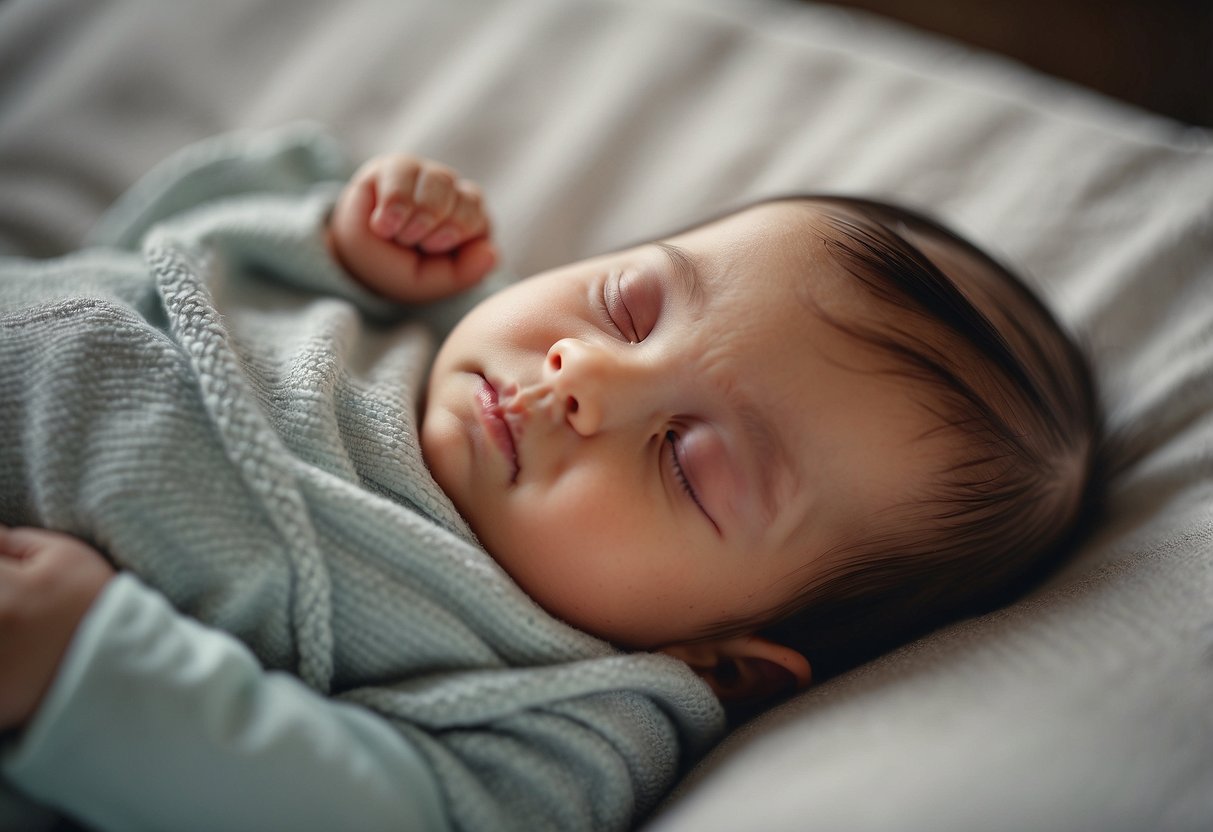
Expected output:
(496, 425)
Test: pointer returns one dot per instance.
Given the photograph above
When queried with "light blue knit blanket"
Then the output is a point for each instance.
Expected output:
(208, 398)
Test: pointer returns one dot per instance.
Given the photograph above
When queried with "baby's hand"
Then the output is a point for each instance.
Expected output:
(411, 230)
(47, 583)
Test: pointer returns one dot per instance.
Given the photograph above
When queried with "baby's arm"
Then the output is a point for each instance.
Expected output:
(411, 230)
(154, 721)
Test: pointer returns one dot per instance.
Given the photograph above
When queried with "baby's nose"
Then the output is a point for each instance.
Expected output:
(590, 383)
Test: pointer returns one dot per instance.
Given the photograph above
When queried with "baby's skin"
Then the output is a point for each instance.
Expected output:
(412, 230)
(650, 442)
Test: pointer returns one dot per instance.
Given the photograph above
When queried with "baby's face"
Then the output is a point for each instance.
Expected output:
(663, 438)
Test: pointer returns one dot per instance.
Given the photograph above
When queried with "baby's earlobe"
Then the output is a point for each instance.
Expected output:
(755, 680)
(745, 668)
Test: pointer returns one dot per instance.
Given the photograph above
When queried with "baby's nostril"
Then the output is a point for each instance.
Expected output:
(572, 405)
(554, 360)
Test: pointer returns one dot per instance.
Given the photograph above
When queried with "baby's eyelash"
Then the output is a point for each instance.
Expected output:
(672, 440)
(606, 311)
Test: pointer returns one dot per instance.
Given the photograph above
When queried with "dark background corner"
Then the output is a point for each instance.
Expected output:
(1157, 54)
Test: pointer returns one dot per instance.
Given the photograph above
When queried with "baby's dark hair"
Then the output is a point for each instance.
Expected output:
(999, 372)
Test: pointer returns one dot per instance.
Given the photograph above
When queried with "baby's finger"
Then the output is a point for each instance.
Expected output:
(435, 196)
(443, 275)
(394, 185)
(466, 222)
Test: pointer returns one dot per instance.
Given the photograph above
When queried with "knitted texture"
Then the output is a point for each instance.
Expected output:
(209, 399)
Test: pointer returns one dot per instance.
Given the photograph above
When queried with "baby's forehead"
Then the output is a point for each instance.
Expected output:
(873, 256)
(799, 249)
(768, 239)
(886, 277)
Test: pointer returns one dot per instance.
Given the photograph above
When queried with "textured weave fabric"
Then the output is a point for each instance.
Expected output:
(207, 397)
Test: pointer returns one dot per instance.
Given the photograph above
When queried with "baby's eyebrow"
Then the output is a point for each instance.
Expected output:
(683, 266)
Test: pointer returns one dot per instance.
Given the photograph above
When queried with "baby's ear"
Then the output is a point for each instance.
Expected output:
(745, 669)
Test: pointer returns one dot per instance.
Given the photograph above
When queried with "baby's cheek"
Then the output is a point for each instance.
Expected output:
(594, 558)
(446, 452)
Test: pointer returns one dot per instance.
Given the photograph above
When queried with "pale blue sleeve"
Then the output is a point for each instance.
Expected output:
(157, 722)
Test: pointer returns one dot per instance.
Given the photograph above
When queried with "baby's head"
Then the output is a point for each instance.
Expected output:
(810, 428)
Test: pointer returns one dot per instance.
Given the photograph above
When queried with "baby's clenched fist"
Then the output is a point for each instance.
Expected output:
(411, 230)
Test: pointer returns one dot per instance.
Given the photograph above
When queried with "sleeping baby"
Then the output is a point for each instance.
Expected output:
(508, 587)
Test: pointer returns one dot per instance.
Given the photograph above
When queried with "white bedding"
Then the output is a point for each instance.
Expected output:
(1087, 705)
